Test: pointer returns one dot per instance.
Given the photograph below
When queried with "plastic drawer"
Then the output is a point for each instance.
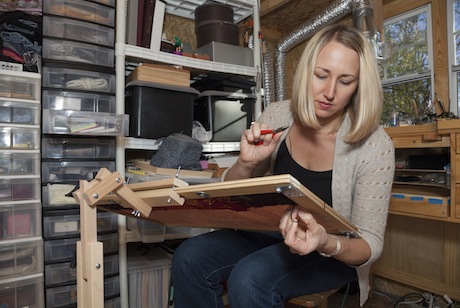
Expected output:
(19, 189)
(78, 101)
(19, 87)
(65, 249)
(146, 232)
(55, 194)
(73, 79)
(78, 52)
(19, 163)
(78, 30)
(67, 295)
(112, 303)
(85, 123)
(18, 138)
(17, 112)
(66, 272)
(73, 172)
(83, 10)
(81, 148)
(21, 257)
(23, 292)
(69, 225)
(20, 221)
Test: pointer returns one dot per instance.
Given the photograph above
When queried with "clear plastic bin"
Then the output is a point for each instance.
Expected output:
(148, 278)
(19, 163)
(66, 272)
(21, 257)
(20, 221)
(19, 189)
(73, 171)
(19, 138)
(23, 292)
(17, 112)
(78, 30)
(55, 194)
(81, 148)
(56, 49)
(85, 123)
(69, 225)
(67, 295)
(73, 79)
(145, 231)
(18, 86)
(78, 101)
(83, 10)
(65, 249)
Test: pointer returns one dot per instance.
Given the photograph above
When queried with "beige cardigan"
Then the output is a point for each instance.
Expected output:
(362, 178)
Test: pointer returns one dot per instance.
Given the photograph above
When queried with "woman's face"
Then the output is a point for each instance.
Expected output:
(335, 80)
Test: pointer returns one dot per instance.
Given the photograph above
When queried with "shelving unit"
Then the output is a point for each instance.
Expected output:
(124, 52)
(424, 220)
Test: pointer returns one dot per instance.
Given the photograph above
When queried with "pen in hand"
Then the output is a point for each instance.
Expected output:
(271, 131)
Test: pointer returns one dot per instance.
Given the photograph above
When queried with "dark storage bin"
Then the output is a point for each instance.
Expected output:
(226, 114)
(213, 11)
(158, 110)
(217, 31)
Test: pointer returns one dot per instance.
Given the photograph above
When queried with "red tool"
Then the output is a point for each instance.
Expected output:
(271, 131)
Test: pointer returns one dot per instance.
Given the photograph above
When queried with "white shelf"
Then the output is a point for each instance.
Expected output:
(142, 53)
(152, 144)
(186, 8)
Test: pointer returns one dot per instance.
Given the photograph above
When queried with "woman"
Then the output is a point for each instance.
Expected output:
(334, 147)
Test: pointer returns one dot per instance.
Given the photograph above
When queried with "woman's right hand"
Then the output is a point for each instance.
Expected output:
(255, 147)
(255, 152)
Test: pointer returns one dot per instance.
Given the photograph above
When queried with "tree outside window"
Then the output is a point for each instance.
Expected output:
(406, 73)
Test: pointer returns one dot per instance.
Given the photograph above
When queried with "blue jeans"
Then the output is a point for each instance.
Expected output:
(256, 267)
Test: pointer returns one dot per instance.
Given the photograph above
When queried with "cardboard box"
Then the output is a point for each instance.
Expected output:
(164, 74)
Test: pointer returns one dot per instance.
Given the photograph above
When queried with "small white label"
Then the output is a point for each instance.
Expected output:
(9, 66)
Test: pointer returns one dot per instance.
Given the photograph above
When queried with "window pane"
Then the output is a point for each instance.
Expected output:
(409, 47)
(456, 16)
(400, 98)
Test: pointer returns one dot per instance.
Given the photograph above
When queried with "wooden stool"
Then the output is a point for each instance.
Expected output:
(305, 301)
(311, 300)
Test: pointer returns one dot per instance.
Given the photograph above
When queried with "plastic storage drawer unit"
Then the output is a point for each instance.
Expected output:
(83, 10)
(16, 189)
(19, 163)
(19, 86)
(66, 296)
(20, 221)
(78, 52)
(78, 148)
(78, 30)
(73, 171)
(78, 101)
(19, 112)
(21, 257)
(75, 79)
(158, 110)
(26, 291)
(226, 114)
(65, 249)
(66, 272)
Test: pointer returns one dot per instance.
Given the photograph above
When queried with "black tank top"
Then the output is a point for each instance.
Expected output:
(319, 182)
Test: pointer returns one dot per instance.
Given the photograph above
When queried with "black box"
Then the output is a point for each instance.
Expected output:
(226, 114)
(158, 110)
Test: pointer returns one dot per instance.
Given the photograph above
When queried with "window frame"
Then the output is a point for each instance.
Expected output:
(415, 76)
(453, 69)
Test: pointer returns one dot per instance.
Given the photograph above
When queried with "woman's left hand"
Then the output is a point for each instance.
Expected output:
(301, 232)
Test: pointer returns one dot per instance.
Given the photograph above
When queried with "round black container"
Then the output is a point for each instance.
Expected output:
(217, 31)
(213, 11)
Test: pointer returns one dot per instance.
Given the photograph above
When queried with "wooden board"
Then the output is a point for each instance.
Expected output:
(252, 204)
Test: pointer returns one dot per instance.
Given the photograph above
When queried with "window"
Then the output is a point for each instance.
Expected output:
(453, 15)
(407, 73)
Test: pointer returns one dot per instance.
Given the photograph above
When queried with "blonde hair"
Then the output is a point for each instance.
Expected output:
(365, 106)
